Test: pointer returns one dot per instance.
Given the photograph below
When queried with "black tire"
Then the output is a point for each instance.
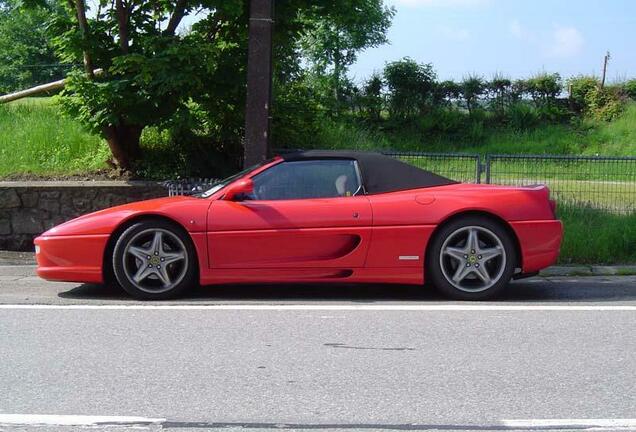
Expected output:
(442, 281)
(174, 242)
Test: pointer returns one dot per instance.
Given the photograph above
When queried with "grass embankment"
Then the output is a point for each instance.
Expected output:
(35, 138)
(584, 137)
(594, 236)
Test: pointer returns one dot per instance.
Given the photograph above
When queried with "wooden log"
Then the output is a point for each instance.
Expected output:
(55, 85)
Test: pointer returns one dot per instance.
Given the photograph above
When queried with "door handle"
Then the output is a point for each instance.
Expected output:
(356, 215)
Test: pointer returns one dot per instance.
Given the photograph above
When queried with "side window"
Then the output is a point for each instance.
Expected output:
(308, 179)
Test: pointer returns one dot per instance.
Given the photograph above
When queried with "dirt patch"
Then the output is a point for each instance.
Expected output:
(91, 176)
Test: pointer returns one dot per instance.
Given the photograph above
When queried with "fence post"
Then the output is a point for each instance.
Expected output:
(488, 162)
(478, 169)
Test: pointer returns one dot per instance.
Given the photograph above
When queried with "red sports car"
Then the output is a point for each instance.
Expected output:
(314, 216)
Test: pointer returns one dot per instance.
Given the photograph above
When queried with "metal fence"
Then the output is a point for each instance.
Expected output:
(607, 183)
(190, 186)
(462, 167)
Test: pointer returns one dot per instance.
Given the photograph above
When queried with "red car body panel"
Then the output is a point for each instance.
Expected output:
(367, 238)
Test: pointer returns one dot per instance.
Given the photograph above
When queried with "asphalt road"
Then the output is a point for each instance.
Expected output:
(552, 354)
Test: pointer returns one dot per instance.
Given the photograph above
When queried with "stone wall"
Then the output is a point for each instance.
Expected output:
(29, 208)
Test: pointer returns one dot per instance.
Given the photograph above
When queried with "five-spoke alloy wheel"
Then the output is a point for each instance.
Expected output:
(471, 258)
(154, 260)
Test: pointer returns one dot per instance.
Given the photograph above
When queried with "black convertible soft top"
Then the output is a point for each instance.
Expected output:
(380, 173)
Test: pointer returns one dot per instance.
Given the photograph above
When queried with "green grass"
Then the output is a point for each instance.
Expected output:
(36, 139)
(587, 137)
(594, 236)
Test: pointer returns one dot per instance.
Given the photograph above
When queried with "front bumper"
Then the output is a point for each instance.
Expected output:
(71, 258)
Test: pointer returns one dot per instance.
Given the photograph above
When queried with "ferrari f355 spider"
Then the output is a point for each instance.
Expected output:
(314, 217)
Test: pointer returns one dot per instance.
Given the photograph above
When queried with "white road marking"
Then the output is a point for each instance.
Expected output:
(326, 307)
(73, 420)
(588, 424)
(96, 421)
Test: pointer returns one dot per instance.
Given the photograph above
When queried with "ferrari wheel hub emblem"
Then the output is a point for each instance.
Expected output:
(155, 260)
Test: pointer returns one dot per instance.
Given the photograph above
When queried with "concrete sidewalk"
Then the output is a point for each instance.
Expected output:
(28, 258)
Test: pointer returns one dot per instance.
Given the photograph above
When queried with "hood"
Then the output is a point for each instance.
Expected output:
(187, 211)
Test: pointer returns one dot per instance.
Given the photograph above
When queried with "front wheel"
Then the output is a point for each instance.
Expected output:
(154, 260)
(471, 258)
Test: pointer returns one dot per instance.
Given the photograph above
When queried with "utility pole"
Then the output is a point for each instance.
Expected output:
(605, 62)
(259, 82)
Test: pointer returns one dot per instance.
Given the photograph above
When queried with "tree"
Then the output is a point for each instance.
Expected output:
(500, 88)
(154, 74)
(332, 43)
(137, 46)
(410, 85)
(372, 99)
(544, 89)
(27, 57)
(446, 92)
(472, 89)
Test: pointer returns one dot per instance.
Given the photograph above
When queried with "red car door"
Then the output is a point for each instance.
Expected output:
(302, 215)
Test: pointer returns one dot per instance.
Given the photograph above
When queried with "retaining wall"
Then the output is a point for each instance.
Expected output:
(29, 208)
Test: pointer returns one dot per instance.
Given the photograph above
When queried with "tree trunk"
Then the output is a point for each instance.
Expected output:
(80, 9)
(123, 141)
(122, 21)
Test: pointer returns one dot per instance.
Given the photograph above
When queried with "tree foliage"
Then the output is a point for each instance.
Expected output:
(472, 88)
(26, 54)
(544, 88)
(333, 42)
(155, 73)
(410, 85)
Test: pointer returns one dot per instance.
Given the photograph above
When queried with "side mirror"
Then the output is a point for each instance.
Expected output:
(238, 190)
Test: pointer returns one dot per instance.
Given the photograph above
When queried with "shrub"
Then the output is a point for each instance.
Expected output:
(522, 116)
(444, 121)
(604, 103)
(630, 89)
(579, 87)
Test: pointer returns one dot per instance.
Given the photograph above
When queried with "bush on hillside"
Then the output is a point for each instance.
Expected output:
(472, 88)
(605, 103)
(544, 88)
(579, 87)
(630, 89)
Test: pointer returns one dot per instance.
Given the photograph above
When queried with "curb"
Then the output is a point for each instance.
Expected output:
(592, 270)
(16, 258)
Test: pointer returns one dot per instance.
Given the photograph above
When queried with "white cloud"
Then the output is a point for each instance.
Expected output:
(454, 34)
(566, 42)
(442, 3)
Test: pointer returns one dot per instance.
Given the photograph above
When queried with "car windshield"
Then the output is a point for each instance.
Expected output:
(222, 183)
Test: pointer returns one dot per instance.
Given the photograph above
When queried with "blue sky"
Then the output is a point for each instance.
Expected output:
(516, 38)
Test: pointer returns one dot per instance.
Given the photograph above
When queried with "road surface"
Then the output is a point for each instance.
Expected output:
(555, 353)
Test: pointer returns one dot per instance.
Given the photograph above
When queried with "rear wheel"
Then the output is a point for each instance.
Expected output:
(154, 260)
(471, 258)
